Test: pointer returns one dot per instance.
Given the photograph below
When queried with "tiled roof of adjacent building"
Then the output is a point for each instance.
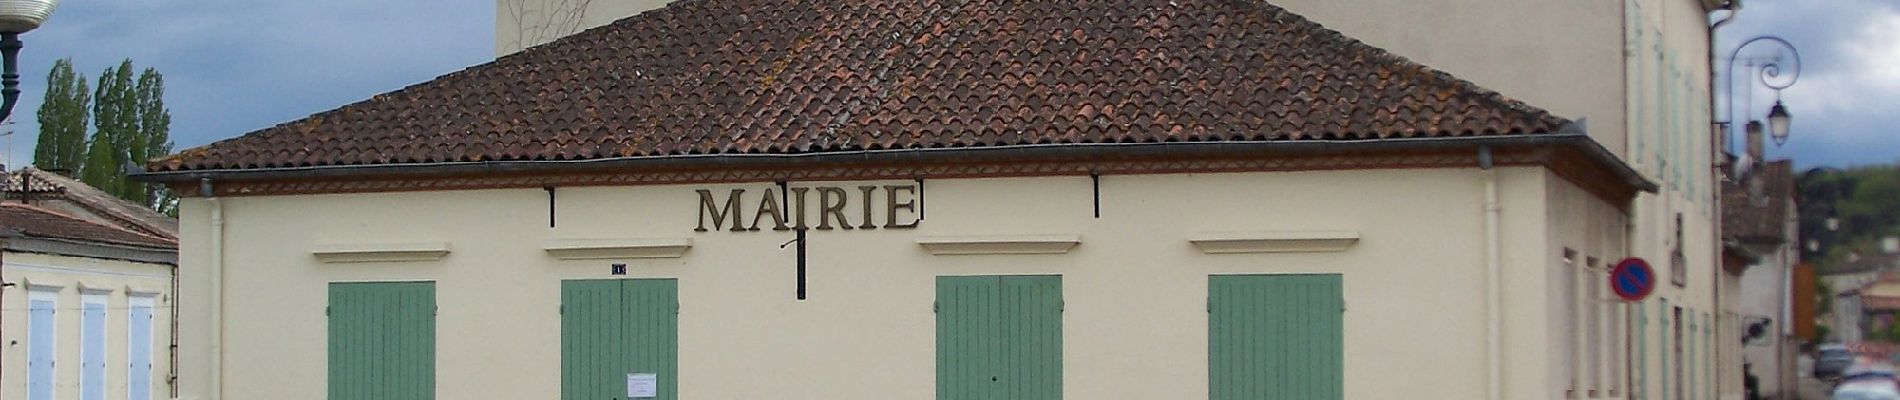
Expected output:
(30, 221)
(781, 77)
(44, 188)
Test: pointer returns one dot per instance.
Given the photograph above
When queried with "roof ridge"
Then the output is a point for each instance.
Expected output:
(98, 201)
(739, 77)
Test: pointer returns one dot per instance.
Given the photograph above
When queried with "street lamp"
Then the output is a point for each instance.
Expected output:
(17, 17)
(1778, 122)
(1771, 76)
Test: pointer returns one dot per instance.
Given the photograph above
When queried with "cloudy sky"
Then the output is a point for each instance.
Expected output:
(1846, 105)
(234, 66)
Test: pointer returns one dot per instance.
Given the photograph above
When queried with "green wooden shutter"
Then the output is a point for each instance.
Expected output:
(382, 341)
(652, 332)
(999, 337)
(1031, 337)
(1275, 337)
(1689, 362)
(1665, 349)
(591, 350)
(611, 328)
(967, 324)
(1639, 382)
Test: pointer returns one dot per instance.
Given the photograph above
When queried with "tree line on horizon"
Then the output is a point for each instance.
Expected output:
(96, 134)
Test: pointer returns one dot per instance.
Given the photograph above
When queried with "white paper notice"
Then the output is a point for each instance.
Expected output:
(643, 386)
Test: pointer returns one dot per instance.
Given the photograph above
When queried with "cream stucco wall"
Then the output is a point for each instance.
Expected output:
(520, 24)
(1135, 289)
(69, 276)
(1765, 294)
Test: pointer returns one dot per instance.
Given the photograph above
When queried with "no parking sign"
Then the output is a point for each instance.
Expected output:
(1632, 279)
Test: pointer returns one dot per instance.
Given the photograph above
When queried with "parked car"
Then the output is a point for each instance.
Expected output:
(1868, 380)
(1831, 359)
(1866, 390)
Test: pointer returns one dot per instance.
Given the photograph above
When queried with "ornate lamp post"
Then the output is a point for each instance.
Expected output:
(17, 17)
(1771, 75)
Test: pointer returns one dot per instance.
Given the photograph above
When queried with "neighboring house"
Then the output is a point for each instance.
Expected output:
(725, 199)
(1760, 219)
(1880, 303)
(86, 284)
(1847, 320)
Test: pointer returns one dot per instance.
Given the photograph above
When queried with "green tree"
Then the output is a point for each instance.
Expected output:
(1863, 202)
(130, 127)
(155, 131)
(115, 132)
(63, 116)
(99, 171)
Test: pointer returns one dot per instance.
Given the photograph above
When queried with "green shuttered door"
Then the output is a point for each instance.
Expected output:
(382, 341)
(611, 328)
(999, 338)
(1275, 337)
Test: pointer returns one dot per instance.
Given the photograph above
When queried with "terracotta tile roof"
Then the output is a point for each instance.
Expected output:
(103, 207)
(1757, 207)
(38, 222)
(735, 76)
(19, 181)
(1866, 263)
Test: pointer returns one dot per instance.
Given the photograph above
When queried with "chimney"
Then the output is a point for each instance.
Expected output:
(1890, 245)
(1754, 142)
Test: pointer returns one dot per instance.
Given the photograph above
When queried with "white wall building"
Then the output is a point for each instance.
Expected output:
(1760, 218)
(1121, 173)
(85, 293)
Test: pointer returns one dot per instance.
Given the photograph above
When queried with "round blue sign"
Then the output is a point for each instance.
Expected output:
(1632, 279)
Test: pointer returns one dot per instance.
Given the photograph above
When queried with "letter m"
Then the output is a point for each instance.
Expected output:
(718, 212)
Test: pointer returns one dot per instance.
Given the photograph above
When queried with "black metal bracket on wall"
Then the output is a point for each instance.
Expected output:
(800, 241)
(550, 190)
(785, 200)
(1095, 180)
(801, 263)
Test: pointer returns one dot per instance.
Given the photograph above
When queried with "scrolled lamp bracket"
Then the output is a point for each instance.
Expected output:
(1773, 76)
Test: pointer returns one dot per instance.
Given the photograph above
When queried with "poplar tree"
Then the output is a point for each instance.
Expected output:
(63, 115)
(154, 128)
(131, 126)
(115, 133)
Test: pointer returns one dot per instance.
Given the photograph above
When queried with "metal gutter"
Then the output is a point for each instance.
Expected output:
(1578, 141)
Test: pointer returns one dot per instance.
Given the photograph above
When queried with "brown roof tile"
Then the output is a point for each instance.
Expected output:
(1756, 207)
(38, 222)
(47, 185)
(733, 76)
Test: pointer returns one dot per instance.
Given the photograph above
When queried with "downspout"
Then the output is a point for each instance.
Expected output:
(1494, 276)
(217, 287)
(1715, 183)
(172, 351)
